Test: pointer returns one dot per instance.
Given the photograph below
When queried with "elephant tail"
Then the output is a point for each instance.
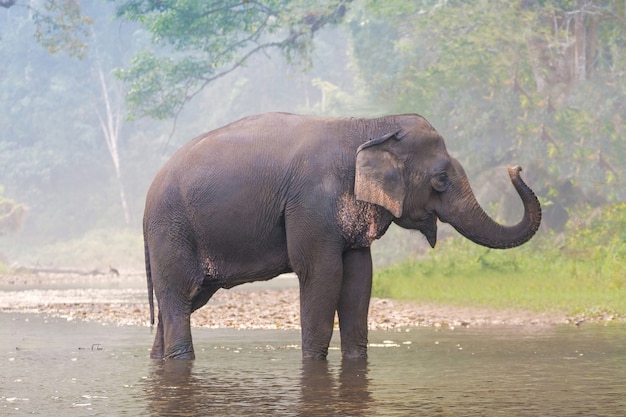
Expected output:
(149, 278)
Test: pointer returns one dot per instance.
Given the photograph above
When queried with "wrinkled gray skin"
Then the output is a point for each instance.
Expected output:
(275, 193)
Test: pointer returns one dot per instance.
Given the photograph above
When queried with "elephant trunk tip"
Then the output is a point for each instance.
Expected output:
(532, 207)
(514, 172)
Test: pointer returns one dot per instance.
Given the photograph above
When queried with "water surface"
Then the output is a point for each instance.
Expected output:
(56, 367)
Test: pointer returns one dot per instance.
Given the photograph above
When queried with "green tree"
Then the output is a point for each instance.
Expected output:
(62, 26)
(59, 27)
(59, 24)
(60, 117)
(195, 43)
(67, 151)
(536, 81)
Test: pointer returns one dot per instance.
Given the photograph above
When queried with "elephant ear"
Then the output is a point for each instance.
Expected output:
(379, 175)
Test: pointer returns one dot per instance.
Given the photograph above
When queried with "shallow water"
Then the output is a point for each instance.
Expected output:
(56, 367)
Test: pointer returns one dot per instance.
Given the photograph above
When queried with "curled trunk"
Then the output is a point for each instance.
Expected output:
(473, 223)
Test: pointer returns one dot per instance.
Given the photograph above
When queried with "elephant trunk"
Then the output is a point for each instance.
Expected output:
(472, 222)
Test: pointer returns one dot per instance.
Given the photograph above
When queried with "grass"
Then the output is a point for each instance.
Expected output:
(582, 272)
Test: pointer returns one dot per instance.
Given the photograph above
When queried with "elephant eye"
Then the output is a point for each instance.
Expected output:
(440, 181)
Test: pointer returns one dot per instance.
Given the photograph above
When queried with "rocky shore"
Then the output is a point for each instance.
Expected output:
(123, 300)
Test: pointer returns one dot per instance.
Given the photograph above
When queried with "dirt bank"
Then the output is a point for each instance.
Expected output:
(122, 300)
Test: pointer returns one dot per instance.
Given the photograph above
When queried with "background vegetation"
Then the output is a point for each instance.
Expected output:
(95, 96)
(579, 273)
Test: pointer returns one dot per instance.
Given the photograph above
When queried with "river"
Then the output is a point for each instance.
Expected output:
(52, 366)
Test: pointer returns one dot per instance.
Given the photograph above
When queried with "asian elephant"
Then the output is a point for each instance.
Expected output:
(277, 192)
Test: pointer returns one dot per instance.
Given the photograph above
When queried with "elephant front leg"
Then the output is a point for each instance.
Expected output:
(354, 302)
(319, 294)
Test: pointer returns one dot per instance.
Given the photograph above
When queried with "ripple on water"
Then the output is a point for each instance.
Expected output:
(556, 371)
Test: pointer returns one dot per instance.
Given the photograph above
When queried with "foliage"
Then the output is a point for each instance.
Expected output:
(52, 156)
(600, 237)
(582, 275)
(497, 78)
(506, 81)
(60, 25)
(200, 42)
(11, 214)
(55, 112)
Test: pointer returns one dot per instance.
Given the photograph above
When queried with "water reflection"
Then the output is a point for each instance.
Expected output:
(526, 372)
(182, 388)
(172, 389)
(327, 394)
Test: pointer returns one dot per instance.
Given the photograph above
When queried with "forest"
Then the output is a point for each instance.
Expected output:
(96, 95)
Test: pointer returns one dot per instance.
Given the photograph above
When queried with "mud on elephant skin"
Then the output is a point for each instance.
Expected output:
(276, 193)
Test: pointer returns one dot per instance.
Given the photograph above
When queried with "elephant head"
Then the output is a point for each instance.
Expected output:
(410, 173)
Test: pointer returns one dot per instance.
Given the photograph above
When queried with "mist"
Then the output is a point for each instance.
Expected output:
(82, 201)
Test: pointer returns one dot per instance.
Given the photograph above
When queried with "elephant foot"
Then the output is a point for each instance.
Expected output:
(354, 355)
(314, 356)
(156, 356)
(157, 351)
(182, 355)
(354, 348)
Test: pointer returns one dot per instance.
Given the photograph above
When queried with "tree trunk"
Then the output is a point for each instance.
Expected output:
(592, 43)
(580, 46)
(110, 124)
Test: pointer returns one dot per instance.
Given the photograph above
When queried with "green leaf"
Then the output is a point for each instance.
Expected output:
(195, 43)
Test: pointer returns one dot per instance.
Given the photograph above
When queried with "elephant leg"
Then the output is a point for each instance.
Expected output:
(175, 303)
(173, 338)
(177, 342)
(319, 294)
(354, 302)
(157, 346)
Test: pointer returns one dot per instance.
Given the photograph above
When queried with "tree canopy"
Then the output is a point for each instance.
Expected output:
(59, 24)
(199, 42)
(540, 83)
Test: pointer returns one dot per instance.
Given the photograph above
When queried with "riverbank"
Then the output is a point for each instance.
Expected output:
(123, 300)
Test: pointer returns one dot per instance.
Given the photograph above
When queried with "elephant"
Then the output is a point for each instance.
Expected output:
(278, 192)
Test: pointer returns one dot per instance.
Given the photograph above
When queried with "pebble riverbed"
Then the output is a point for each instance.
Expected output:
(123, 300)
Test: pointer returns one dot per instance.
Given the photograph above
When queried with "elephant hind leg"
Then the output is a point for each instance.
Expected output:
(173, 339)
(176, 335)
(173, 335)
(158, 345)
(204, 295)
